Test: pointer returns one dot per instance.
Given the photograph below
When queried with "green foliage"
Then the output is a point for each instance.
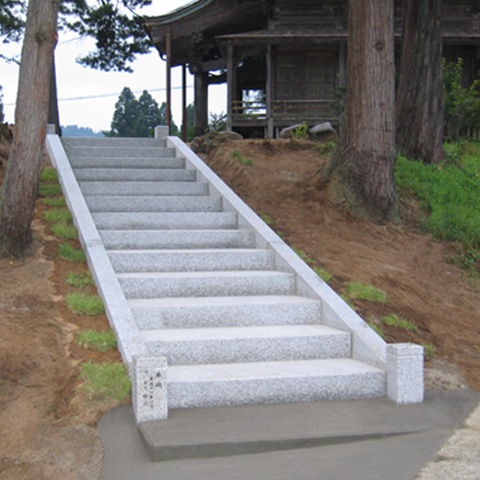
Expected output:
(106, 380)
(364, 291)
(267, 219)
(238, 156)
(449, 193)
(137, 118)
(429, 351)
(50, 190)
(67, 252)
(49, 175)
(377, 329)
(301, 132)
(85, 304)
(323, 274)
(324, 148)
(101, 341)
(54, 202)
(313, 263)
(58, 215)
(79, 279)
(462, 104)
(12, 21)
(64, 230)
(397, 321)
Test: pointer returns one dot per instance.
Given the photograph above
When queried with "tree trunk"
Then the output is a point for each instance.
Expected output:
(420, 90)
(362, 168)
(19, 189)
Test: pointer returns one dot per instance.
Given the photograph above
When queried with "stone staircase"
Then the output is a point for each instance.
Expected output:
(210, 307)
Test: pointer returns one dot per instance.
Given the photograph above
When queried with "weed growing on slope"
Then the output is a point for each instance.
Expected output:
(85, 304)
(102, 341)
(397, 321)
(106, 380)
(238, 156)
(58, 215)
(363, 291)
(67, 252)
(54, 202)
(64, 230)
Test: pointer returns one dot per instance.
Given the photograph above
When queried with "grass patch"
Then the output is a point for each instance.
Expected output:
(58, 215)
(349, 302)
(49, 174)
(238, 156)
(54, 202)
(85, 304)
(397, 321)
(71, 254)
(106, 380)
(69, 232)
(101, 341)
(267, 219)
(303, 255)
(50, 190)
(363, 291)
(429, 351)
(79, 279)
(449, 192)
(323, 274)
(377, 329)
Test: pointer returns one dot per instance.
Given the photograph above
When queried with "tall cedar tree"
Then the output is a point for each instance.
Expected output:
(362, 167)
(118, 39)
(420, 89)
(19, 188)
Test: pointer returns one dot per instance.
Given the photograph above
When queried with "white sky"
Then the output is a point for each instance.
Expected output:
(75, 81)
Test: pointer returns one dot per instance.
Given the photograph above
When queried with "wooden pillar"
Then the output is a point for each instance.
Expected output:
(168, 50)
(269, 91)
(184, 102)
(342, 64)
(201, 103)
(230, 86)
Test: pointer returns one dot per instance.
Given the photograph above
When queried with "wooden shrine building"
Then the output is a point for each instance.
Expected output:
(282, 60)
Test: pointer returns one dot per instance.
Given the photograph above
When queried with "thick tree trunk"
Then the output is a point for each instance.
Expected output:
(420, 90)
(19, 189)
(362, 167)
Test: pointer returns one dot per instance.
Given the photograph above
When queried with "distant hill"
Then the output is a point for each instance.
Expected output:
(76, 131)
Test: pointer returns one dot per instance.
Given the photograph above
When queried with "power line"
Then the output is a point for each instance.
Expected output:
(104, 95)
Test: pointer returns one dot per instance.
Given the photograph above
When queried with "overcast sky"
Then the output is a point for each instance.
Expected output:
(76, 83)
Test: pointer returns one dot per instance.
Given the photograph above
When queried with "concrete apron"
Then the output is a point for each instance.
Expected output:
(363, 439)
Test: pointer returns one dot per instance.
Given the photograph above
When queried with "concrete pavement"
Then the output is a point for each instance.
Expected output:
(355, 440)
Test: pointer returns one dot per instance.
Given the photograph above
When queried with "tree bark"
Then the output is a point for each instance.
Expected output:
(362, 168)
(420, 89)
(20, 186)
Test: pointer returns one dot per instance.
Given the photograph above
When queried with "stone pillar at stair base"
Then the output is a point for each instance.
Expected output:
(405, 373)
(149, 388)
(161, 131)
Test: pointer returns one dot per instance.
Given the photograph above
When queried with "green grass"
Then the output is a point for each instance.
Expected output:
(363, 291)
(267, 219)
(102, 341)
(449, 192)
(79, 279)
(323, 273)
(67, 252)
(48, 174)
(69, 232)
(303, 255)
(54, 202)
(238, 156)
(377, 329)
(58, 215)
(397, 321)
(106, 380)
(429, 351)
(50, 190)
(85, 304)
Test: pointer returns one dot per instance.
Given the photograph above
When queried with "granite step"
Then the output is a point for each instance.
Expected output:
(145, 188)
(193, 260)
(102, 203)
(228, 311)
(136, 174)
(176, 239)
(193, 386)
(119, 151)
(70, 142)
(165, 220)
(196, 346)
(206, 284)
(127, 162)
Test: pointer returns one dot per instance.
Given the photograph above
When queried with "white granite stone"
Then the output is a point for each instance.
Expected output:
(149, 388)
